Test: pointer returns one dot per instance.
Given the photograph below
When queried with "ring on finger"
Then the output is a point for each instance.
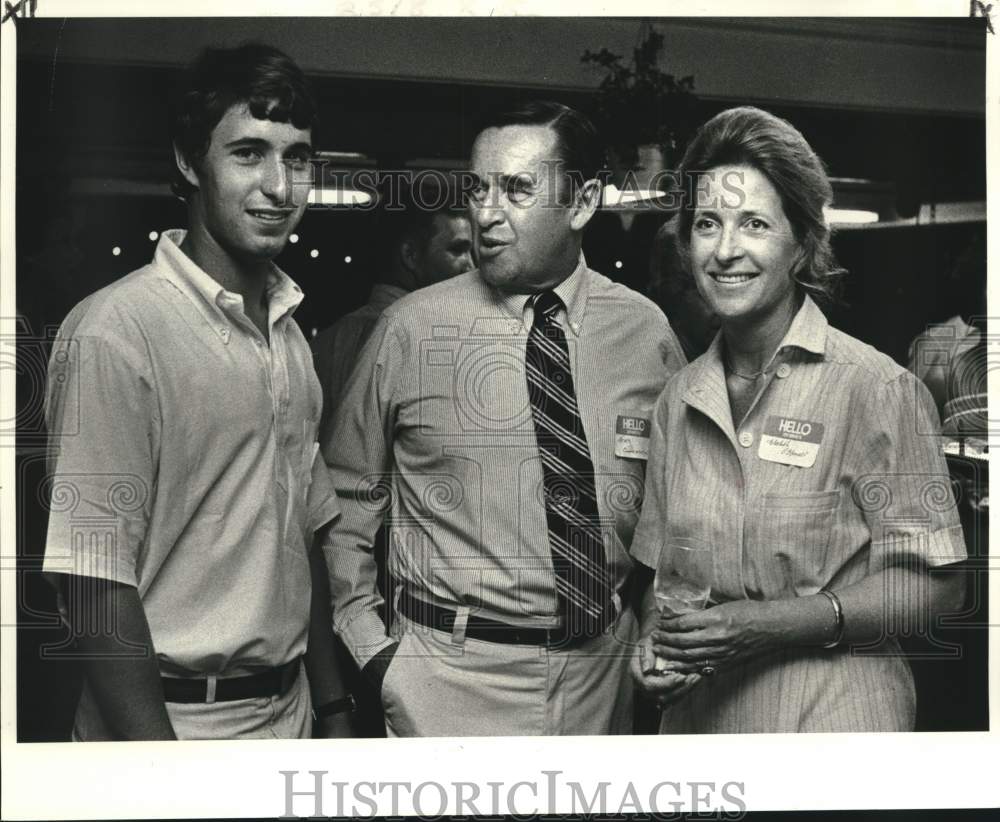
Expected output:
(707, 670)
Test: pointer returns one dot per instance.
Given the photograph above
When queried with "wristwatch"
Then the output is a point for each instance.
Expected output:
(344, 705)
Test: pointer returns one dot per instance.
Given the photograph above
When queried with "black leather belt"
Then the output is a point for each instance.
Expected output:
(273, 682)
(488, 630)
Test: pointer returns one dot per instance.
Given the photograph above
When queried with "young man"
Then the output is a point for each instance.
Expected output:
(184, 409)
(501, 415)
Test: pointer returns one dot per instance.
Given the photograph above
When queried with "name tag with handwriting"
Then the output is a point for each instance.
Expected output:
(790, 441)
(632, 438)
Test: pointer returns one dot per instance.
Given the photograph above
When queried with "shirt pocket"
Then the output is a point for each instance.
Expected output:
(790, 549)
(811, 502)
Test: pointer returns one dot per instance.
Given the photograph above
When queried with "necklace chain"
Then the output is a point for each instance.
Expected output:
(756, 375)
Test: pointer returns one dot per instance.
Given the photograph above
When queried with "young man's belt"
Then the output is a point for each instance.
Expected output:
(273, 682)
(487, 630)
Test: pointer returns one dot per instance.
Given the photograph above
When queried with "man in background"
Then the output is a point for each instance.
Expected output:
(950, 356)
(182, 409)
(417, 247)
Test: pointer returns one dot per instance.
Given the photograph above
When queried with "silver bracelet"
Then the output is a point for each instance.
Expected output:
(838, 611)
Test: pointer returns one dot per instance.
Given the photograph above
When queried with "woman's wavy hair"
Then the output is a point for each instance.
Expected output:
(752, 137)
(263, 78)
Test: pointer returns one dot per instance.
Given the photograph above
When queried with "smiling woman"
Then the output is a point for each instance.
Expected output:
(779, 448)
(743, 252)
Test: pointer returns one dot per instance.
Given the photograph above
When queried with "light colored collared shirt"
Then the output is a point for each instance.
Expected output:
(436, 417)
(185, 462)
(937, 357)
(336, 349)
(835, 474)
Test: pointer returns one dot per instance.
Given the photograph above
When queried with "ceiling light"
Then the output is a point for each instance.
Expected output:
(850, 216)
(338, 198)
(613, 196)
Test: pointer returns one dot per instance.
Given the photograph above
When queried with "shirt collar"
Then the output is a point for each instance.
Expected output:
(707, 387)
(808, 329)
(572, 291)
(283, 294)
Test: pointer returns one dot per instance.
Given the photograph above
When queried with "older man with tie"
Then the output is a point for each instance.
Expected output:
(501, 420)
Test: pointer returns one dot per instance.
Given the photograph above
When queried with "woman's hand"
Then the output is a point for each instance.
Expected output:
(665, 687)
(717, 638)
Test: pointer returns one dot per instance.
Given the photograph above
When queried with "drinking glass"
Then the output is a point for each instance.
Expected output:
(683, 580)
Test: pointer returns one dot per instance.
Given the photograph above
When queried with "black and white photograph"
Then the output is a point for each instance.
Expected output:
(496, 414)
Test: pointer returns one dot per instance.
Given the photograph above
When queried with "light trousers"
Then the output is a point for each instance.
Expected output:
(441, 684)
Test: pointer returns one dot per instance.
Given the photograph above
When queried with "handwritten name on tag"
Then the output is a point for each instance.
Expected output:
(632, 438)
(790, 441)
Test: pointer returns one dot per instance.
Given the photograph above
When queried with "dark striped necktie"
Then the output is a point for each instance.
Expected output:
(583, 584)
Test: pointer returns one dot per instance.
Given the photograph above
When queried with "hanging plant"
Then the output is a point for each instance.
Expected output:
(640, 104)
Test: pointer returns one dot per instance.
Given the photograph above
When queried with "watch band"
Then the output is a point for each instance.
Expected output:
(345, 704)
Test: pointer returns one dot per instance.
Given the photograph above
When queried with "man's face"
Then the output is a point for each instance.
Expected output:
(447, 252)
(254, 182)
(526, 240)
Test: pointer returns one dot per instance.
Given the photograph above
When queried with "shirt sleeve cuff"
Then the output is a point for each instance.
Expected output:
(364, 636)
(641, 552)
(324, 512)
(322, 497)
(93, 561)
(936, 548)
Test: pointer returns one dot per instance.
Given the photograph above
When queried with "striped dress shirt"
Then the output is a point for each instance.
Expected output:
(876, 494)
(436, 429)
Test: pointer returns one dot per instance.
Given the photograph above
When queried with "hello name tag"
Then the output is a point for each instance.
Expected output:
(632, 438)
(790, 441)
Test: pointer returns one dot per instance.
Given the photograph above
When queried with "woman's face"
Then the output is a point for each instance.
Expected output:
(743, 250)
